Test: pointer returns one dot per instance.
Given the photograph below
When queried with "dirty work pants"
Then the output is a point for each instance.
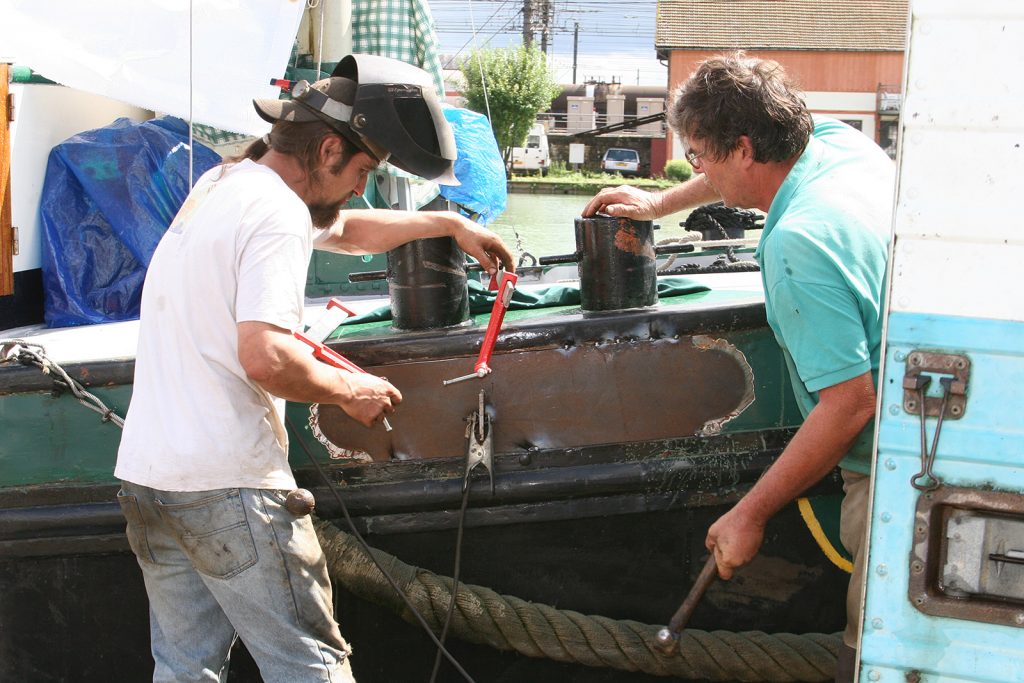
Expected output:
(233, 563)
(853, 523)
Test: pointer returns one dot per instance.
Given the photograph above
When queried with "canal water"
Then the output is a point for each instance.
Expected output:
(542, 224)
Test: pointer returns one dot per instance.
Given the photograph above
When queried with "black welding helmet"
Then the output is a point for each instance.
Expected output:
(397, 109)
(383, 106)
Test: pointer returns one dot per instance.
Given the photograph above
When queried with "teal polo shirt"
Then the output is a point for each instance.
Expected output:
(823, 255)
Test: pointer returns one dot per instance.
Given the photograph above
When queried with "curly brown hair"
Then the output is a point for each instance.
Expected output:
(732, 95)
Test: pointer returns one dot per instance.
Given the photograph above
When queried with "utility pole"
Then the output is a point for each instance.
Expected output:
(575, 49)
(545, 24)
(527, 23)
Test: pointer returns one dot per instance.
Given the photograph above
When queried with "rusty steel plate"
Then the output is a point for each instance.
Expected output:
(614, 392)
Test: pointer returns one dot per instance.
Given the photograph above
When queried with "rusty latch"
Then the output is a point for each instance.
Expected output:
(921, 367)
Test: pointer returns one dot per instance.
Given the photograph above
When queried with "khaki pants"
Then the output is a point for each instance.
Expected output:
(853, 523)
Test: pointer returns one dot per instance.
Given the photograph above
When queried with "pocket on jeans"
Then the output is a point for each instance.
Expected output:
(136, 528)
(213, 532)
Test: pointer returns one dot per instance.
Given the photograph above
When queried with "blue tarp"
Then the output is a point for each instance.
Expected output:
(108, 196)
(479, 166)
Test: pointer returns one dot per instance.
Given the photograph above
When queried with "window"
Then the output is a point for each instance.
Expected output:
(616, 154)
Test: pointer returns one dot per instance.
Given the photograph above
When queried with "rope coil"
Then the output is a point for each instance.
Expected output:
(504, 622)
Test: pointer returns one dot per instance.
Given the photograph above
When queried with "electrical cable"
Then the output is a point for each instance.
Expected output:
(366, 549)
(455, 578)
(480, 64)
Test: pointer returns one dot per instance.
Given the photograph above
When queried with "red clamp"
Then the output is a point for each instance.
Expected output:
(501, 302)
(323, 328)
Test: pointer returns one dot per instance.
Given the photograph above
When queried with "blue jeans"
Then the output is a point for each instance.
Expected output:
(228, 563)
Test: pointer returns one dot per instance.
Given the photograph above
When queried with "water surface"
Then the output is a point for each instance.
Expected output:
(542, 224)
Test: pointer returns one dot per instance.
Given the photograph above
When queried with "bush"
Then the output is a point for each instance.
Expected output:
(678, 169)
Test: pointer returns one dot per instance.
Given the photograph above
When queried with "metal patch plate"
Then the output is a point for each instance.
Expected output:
(613, 392)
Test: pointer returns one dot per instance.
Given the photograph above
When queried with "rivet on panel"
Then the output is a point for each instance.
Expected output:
(886, 517)
(890, 464)
(882, 570)
(877, 624)
(874, 675)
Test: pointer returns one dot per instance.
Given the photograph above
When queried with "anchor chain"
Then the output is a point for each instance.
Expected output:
(27, 353)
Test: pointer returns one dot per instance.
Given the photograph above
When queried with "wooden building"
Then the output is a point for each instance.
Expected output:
(846, 55)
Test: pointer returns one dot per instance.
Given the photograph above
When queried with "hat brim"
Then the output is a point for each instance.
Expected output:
(272, 111)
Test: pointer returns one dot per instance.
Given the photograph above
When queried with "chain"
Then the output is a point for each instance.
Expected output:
(27, 353)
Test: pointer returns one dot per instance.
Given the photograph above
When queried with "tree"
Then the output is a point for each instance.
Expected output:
(518, 86)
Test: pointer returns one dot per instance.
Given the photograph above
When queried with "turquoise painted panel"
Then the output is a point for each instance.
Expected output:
(983, 450)
(51, 439)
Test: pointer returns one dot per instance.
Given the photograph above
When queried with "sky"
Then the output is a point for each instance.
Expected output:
(616, 37)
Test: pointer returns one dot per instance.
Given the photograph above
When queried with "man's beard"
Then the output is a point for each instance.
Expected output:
(326, 215)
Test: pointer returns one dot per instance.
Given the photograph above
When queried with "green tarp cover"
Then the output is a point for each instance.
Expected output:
(481, 300)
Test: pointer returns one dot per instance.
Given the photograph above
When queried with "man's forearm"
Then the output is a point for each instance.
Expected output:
(687, 195)
(284, 366)
(821, 442)
(375, 231)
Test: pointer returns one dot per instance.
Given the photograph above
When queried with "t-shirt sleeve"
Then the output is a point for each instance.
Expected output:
(821, 327)
(272, 266)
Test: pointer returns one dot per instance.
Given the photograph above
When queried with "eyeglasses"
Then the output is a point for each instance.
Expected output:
(693, 158)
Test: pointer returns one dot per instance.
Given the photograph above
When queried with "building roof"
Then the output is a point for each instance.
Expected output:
(861, 25)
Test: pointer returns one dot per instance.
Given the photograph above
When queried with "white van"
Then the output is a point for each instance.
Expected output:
(534, 157)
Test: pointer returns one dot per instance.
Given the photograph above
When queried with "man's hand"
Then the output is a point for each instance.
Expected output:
(734, 539)
(483, 245)
(369, 398)
(627, 202)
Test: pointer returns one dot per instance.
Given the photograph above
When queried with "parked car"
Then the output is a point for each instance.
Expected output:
(535, 156)
(621, 160)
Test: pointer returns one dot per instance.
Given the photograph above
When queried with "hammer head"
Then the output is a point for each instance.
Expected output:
(666, 642)
(299, 502)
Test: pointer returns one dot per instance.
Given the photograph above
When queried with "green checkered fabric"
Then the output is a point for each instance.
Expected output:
(400, 29)
(215, 136)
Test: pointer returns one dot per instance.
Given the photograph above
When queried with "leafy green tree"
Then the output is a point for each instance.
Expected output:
(518, 86)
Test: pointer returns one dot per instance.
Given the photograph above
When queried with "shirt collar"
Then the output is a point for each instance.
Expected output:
(807, 162)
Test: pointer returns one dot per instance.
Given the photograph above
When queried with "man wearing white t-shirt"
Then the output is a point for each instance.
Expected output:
(203, 458)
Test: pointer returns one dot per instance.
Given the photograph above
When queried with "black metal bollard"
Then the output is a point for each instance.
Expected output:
(617, 263)
(427, 280)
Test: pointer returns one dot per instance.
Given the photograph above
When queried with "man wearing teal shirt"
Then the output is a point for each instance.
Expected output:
(828, 192)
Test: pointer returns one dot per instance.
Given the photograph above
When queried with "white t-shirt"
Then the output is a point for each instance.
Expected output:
(238, 250)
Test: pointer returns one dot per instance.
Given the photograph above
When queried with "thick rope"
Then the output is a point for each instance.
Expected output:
(508, 623)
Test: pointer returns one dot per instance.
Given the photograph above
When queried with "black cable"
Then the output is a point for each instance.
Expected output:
(455, 576)
(366, 548)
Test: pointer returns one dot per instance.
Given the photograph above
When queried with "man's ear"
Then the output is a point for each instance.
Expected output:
(746, 147)
(330, 147)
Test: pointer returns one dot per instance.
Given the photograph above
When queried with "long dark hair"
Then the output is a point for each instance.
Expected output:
(300, 140)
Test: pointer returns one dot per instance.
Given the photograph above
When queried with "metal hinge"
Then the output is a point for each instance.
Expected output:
(15, 242)
(921, 366)
(10, 107)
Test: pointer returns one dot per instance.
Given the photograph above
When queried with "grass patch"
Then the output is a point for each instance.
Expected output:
(589, 180)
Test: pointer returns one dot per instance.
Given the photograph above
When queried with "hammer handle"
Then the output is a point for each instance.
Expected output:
(704, 579)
